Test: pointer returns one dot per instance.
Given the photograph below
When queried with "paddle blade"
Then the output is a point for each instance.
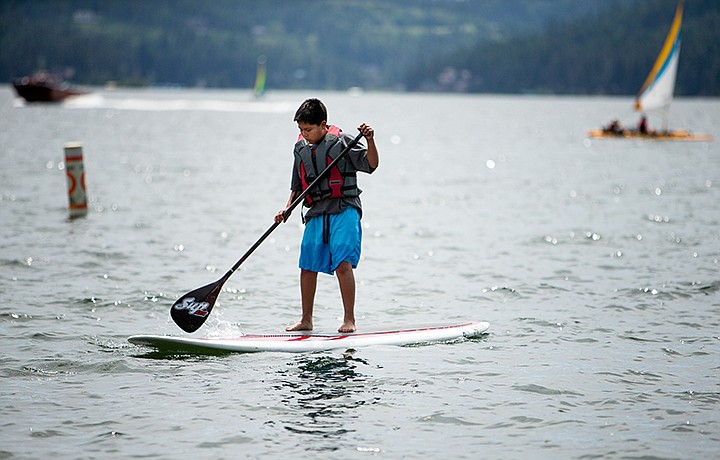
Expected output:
(191, 310)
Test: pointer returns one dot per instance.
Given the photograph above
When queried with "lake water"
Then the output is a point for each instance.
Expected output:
(597, 264)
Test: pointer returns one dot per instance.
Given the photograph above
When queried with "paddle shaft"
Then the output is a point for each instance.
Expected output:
(191, 310)
(293, 205)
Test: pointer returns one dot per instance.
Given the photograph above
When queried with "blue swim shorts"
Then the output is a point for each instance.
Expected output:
(331, 239)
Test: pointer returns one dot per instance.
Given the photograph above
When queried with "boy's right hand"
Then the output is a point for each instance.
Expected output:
(281, 216)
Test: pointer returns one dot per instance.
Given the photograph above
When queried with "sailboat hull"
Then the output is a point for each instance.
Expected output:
(676, 135)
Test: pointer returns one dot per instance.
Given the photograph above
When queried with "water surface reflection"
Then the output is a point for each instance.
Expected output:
(323, 393)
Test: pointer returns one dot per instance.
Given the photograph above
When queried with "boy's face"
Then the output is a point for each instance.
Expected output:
(312, 133)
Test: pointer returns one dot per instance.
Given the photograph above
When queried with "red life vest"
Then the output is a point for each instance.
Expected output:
(314, 159)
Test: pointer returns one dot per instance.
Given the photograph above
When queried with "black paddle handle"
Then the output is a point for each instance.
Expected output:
(293, 205)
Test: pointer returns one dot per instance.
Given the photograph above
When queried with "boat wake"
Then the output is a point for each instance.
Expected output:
(99, 101)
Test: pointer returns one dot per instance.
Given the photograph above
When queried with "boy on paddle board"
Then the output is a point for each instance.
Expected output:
(333, 235)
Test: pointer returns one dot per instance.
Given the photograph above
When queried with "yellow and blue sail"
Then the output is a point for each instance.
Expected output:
(657, 91)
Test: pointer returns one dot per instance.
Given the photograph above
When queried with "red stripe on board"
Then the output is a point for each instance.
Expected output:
(296, 338)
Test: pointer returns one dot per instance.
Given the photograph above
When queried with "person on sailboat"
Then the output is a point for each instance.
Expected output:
(614, 127)
(643, 125)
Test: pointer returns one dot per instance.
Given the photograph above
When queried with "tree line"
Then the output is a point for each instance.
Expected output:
(608, 53)
(508, 46)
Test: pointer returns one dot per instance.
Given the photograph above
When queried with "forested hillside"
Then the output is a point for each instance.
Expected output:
(559, 46)
(606, 53)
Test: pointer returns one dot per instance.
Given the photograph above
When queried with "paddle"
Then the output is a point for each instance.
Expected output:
(191, 310)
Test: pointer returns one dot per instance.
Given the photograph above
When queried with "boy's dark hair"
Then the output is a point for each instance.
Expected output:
(312, 111)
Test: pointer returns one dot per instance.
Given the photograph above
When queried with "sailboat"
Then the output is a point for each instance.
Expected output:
(260, 77)
(656, 94)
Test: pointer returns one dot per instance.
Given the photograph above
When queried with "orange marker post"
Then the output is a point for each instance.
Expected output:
(75, 172)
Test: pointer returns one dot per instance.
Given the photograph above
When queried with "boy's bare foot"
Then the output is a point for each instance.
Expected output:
(299, 326)
(347, 326)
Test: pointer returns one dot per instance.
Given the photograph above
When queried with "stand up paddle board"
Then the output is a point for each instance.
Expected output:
(304, 341)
